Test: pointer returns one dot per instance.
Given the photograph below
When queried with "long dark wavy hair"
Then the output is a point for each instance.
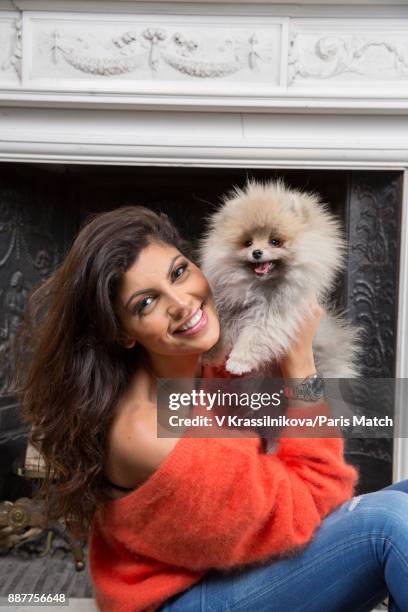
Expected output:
(70, 365)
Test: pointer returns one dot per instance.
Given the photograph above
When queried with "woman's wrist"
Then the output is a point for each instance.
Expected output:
(300, 366)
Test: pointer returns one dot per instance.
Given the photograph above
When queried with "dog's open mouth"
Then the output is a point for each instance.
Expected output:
(261, 269)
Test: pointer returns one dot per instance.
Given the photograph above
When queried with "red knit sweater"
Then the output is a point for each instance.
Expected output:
(213, 503)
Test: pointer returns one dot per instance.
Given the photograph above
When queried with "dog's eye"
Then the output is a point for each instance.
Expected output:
(248, 243)
(274, 242)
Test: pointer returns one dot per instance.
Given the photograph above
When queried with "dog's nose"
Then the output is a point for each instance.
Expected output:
(257, 254)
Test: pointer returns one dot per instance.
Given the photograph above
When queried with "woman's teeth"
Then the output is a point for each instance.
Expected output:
(193, 321)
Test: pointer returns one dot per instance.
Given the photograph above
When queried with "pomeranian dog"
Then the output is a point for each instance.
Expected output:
(266, 251)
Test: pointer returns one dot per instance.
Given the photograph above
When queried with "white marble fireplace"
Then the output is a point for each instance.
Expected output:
(320, 85)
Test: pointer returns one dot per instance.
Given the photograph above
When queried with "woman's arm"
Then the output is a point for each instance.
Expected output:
(299, 362)
(221, 503)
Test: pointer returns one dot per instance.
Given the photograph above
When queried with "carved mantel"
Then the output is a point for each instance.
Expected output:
(233, 55)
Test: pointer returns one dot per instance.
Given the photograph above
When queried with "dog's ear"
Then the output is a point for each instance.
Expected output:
(297, 205)
(233, 196)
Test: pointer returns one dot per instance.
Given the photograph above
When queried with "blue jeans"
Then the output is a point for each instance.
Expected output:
(356, 558)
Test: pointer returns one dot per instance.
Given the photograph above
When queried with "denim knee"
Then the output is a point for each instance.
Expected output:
(385, 511)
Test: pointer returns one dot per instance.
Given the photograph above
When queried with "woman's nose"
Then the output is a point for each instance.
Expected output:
(178, 305)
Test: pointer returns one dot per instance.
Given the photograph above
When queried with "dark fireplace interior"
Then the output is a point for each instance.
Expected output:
(43, 205)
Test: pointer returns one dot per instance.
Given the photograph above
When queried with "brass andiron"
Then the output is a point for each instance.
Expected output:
(24, 519)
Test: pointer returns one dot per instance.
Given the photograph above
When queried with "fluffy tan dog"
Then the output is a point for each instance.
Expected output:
(267, 249)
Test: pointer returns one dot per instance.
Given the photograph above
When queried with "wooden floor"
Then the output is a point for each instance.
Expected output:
(26, 572)
(76, 605)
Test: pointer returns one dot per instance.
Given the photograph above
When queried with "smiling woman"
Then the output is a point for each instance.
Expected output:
(125, 307)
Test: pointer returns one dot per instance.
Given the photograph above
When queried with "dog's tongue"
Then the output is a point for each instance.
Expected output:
(262, 268)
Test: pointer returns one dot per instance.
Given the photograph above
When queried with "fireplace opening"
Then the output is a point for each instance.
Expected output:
(43, 205)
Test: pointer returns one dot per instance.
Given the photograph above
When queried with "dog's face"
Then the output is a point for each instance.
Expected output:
(263, 252)
(268, 234)
(261, 233)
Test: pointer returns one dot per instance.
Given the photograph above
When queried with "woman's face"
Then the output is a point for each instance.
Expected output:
(165, 304)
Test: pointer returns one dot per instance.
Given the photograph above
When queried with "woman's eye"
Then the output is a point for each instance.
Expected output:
(248, 243)
(274, 242)
(140, 306)
(179, 271)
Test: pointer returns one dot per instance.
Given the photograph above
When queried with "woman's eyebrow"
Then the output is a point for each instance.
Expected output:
(141, 291)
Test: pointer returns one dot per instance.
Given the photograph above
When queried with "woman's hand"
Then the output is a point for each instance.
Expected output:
(299, 361)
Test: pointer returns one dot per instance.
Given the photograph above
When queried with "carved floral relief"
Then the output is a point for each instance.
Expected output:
(347, 54)
(28, 254)
(373, 264)
(10, 48)
(157, 51)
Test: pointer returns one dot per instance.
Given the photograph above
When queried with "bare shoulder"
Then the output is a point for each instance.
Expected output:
(134, 450)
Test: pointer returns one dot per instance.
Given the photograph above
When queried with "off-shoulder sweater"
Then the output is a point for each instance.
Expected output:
(214, 503)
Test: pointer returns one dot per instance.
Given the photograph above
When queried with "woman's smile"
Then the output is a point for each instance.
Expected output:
(194, 324)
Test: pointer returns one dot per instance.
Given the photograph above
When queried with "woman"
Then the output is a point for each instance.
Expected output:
(190, 523)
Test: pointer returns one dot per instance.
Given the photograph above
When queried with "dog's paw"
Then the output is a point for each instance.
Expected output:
(238, 365)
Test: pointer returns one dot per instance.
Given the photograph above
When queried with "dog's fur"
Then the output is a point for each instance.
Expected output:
(261, 313)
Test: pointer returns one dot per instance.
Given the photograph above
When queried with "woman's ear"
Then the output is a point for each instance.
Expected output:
(127, 342)
(130, 343)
